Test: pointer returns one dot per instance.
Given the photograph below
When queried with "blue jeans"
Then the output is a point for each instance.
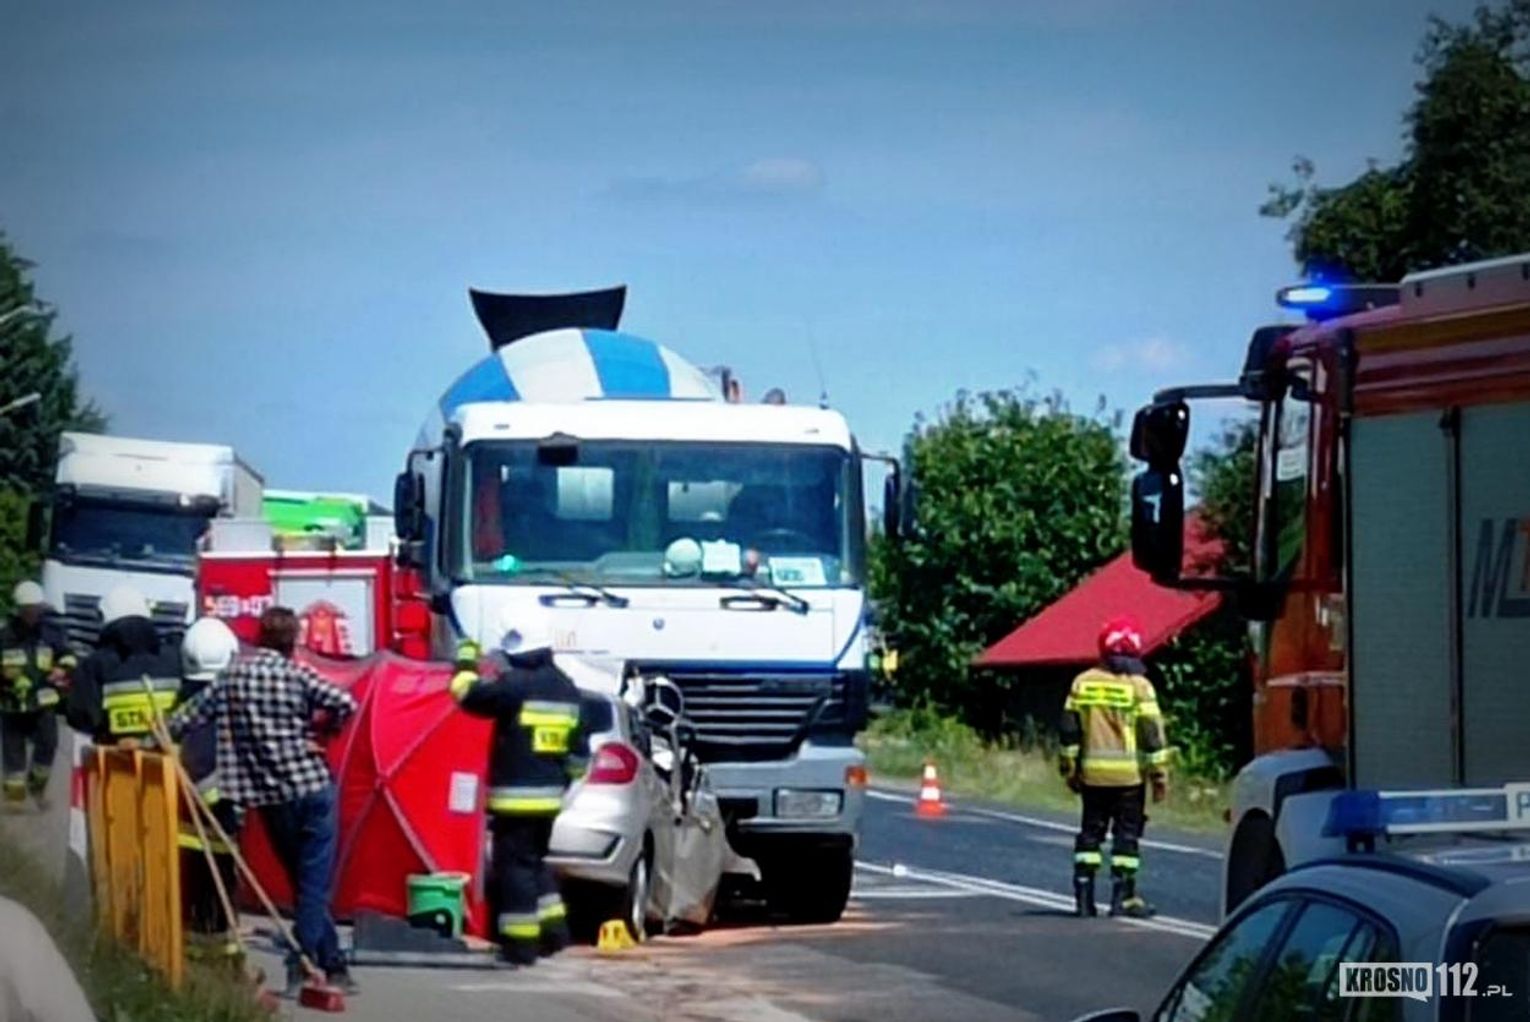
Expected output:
(304, 834)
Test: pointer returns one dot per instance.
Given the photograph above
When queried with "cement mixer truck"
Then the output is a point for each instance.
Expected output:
(674, 533)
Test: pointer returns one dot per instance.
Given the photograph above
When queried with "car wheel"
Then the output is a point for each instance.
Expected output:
(635, 900)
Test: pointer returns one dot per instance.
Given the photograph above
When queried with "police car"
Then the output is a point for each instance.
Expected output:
(1426, 915)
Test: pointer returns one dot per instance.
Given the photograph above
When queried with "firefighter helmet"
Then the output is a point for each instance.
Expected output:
(121, 602)
(1121, 636)
(525, 630)
(207, 650)
(28, 594)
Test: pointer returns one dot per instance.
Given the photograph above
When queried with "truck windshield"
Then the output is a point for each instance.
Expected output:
(673, 513)
(1285, 464)
(97, 533)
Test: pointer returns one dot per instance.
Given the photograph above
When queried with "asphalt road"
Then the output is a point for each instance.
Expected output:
(967, 916)
(962, 917)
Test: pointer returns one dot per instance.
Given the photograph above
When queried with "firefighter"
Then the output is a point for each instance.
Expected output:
(1112, 740)
(206, 651)
(537, 734)
(35, 661)
(132, 672)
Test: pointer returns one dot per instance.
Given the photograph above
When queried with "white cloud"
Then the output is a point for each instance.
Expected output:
(1149, 354)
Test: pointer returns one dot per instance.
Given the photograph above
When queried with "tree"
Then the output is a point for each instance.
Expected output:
(1461, 191)
(1017, 499)
(31, 361)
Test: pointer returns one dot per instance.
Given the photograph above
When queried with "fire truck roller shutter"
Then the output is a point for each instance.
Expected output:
(1400, 682)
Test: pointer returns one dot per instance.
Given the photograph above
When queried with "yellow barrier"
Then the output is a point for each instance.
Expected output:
(134, 855)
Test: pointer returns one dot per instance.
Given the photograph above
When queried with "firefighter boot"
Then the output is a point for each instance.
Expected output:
(1125, 901)
(37, 786)
(1083, 894)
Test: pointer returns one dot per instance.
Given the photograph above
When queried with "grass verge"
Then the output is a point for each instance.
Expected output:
(121, 988)
(898, 744)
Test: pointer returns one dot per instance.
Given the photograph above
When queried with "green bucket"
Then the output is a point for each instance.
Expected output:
(436, 901)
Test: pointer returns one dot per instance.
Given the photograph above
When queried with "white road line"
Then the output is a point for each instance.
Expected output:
(1032, 821)
(1033, 896)
(910, 894)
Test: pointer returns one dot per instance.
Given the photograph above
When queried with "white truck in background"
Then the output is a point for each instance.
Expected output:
(131, 511)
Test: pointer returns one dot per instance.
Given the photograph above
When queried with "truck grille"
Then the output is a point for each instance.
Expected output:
(762, 717)
(81, 620)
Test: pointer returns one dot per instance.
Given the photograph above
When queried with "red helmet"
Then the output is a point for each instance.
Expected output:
(1121, 636)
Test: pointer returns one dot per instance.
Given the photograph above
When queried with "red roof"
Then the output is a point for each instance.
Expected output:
(1066, 631)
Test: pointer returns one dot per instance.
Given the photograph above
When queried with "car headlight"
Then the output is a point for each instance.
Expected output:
(792, 803)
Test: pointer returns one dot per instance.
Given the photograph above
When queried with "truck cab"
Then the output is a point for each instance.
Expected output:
(131, 511)
(1389, 597)
(671, 534)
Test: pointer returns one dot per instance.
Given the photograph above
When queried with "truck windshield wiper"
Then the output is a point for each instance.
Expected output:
(587, 589)
(770, 596)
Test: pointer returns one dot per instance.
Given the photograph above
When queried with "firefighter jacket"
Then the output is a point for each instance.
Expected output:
(28, 658)
(199, 755)
(537, 732)
(1112, 731)
(118, 687)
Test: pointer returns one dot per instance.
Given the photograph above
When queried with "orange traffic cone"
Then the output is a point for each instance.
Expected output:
(930, 801)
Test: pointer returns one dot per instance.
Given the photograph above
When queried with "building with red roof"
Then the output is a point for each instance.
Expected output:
(1047, 650)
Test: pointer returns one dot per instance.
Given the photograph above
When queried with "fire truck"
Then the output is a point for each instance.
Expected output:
(1389, 595)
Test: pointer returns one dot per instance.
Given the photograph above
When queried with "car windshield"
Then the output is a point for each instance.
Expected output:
(93, 532)
(685, 513)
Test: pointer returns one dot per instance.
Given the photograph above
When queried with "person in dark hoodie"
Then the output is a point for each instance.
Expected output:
(132, 673)
(1112, 742)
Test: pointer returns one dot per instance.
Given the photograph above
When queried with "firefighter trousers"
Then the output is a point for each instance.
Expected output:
(1120, 811)
(38, 728)
(203, 911)
(530, 919)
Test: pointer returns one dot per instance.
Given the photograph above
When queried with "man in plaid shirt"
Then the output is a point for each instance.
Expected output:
(269, 709)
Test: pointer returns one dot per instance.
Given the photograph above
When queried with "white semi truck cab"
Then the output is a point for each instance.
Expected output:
(130, 511)
(669, 533)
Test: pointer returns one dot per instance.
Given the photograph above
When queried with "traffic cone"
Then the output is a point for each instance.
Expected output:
(930, 801)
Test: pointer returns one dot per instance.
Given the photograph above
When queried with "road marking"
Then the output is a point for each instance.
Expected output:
(1033, 896)
(1033, 821)
(909, 893)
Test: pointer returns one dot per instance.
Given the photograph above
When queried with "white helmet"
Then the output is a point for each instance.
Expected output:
(121, 602)
(682, 558)
(207, 649)
(28, 594)
(524, 630)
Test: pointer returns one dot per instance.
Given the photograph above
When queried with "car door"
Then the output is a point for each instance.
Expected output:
(1279, 962)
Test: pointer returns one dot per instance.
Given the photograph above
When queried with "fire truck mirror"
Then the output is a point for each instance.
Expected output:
(1159, 434)
(1158, 523)
(37, 525)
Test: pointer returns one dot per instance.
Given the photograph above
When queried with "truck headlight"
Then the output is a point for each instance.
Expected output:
(792, 803)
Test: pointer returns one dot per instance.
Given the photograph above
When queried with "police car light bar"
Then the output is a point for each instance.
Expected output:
(1362, 815)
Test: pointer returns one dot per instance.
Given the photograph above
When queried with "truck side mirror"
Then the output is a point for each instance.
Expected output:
(892, 504)
(1160, 432)
(409, 517)
(1158, 523)
(36, 524)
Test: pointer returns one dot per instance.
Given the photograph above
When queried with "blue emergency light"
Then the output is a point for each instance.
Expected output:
(1362, 816)
(1326, 301)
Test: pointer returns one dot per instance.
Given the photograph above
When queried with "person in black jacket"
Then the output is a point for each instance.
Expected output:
(131, 674)
(34, 661)
(537, 735)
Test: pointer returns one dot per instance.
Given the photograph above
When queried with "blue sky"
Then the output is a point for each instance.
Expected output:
(259, 222)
